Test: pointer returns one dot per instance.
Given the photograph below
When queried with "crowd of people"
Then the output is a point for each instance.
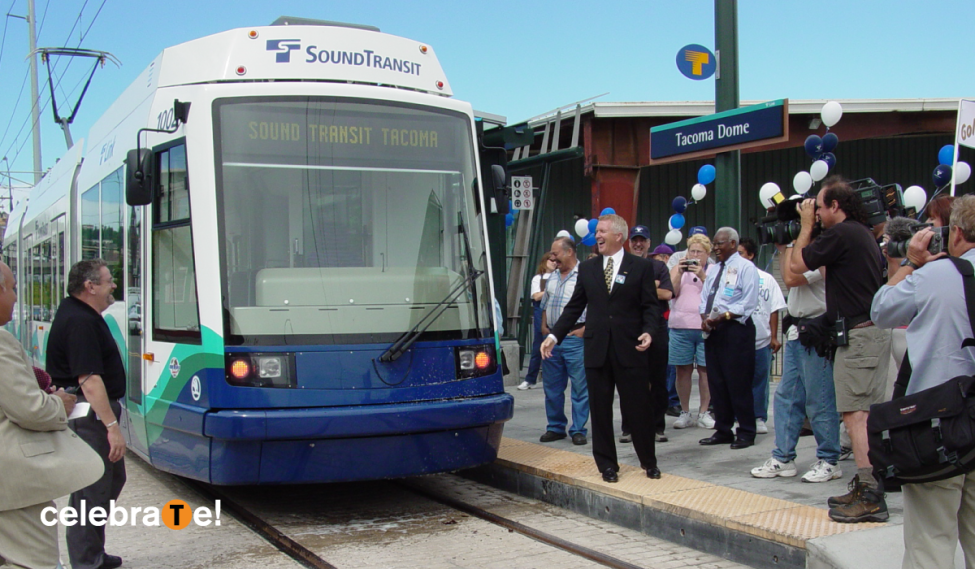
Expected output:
(645, 320)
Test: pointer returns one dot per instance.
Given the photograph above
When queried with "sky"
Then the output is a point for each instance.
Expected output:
(517, 59)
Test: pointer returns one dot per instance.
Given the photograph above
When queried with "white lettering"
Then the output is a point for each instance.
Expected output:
(733, 130)
(697, 137)
(201, 516)
(49, 521)
(97, 516)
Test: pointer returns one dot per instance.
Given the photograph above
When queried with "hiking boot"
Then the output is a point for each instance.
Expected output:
(870, 507)
(849, 497)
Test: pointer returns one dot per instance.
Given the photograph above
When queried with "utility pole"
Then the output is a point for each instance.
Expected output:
(35, 113)
(727, 189)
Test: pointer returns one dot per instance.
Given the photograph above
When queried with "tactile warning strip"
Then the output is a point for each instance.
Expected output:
(773, 519)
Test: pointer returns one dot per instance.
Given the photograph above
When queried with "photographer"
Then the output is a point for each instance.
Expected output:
(929, 297)
(854, 266)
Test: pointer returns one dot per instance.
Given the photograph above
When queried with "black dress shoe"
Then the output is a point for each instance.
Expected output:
(609, 475)
(716, 439)
(579, 439)
(550, 436)
(110, 562)
(674, 411)
(741, 443)
(653, 472)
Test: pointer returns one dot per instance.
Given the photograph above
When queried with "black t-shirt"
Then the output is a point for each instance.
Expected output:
(81, 343)
(854, 268)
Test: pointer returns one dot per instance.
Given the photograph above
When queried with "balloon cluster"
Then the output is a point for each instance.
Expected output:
(586, 228)
(942, 172)
(705, 175)
(820, 149)
(915, 196)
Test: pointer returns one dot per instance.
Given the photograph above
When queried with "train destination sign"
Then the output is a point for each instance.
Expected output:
(757, 125)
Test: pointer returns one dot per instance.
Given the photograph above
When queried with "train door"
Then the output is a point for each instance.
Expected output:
(172, 334)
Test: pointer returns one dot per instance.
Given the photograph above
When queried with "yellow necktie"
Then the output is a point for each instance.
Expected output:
(608, 273)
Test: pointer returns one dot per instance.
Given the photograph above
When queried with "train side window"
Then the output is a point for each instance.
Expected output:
(90, 224)
(175, 310)
(112, 251)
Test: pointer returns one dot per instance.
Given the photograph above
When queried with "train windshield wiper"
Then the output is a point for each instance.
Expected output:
(404, 342)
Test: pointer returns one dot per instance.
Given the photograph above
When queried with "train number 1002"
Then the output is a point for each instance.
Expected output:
(166, 120)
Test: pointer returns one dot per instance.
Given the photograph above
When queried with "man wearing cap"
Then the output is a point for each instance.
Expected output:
(662, 253)
(640, 246)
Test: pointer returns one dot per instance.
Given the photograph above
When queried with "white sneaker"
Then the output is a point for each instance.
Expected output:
(822, 471)
(525, 386)
(760, 427)
(684, 421)
(773, 468)
(705, 420)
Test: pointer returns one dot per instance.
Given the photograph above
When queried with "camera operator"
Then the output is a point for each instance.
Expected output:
(853, 275)
(929, 297)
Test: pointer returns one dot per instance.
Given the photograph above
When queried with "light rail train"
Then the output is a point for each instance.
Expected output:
(296, 221)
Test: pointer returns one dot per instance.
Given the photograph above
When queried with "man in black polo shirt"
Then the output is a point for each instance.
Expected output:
(82, 352)
(854, 267)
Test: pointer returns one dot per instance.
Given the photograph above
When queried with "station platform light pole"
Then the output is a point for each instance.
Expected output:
(727, 189)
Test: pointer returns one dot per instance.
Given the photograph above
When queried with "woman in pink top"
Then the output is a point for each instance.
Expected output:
(686, 340)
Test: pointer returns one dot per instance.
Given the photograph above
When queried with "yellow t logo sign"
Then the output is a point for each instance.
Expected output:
(697, 59)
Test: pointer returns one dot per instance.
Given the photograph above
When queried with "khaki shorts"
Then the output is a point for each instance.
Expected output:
(860, 369)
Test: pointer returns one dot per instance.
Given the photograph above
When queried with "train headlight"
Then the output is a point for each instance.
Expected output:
(475, 361)
(260, 370)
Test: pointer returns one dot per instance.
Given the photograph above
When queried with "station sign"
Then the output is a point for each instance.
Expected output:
(522, 193)
(756, 125)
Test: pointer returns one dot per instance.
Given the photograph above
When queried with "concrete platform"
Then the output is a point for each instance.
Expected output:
(707, 498)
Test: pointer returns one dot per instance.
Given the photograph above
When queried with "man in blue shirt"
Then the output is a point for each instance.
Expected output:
(731, 290)
(930, 298)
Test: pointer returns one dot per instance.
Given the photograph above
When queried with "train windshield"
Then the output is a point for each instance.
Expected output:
(345, 221)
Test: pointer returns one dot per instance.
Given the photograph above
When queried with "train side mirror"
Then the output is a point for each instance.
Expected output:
(500, 178)
(138, 177)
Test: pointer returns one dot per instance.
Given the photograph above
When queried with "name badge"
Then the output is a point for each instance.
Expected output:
(728, 291)
(620, 279)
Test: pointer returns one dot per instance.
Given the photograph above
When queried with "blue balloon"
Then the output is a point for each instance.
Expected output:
(813, 145)
(592, 225)
(706, 174)
(830, 140)
(946, 156)
(677, 221)
(589, 240)
(607, 211)
(508, 219)
(680, 204)
(942, 174)
(829, 158)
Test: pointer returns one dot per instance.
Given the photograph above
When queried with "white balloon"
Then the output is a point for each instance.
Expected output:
(699, 191)
(818, 170)
(915, 197)
(962, 172)
(582, 227)
(767, 194)
(831, 113)
(802, 182)
(564, 233)
(673, 237)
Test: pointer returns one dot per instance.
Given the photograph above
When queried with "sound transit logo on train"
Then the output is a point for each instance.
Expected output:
(366, 57)
(175, 514)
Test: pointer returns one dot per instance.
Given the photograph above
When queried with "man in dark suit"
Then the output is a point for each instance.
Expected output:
(622, 317)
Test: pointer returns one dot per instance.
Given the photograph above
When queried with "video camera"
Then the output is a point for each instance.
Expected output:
(881, 202)
(900, 230)
(783, 227)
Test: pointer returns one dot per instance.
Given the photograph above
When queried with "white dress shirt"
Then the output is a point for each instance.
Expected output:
(617, 258)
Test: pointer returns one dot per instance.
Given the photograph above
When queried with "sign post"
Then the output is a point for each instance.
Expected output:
(522, 193)
(727, 189)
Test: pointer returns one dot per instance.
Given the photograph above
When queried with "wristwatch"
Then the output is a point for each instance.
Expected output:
(911, 264)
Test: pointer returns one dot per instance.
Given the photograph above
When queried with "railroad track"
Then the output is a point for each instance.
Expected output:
(308, 558)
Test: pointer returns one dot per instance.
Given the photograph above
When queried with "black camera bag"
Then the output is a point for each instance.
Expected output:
(930, 435)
